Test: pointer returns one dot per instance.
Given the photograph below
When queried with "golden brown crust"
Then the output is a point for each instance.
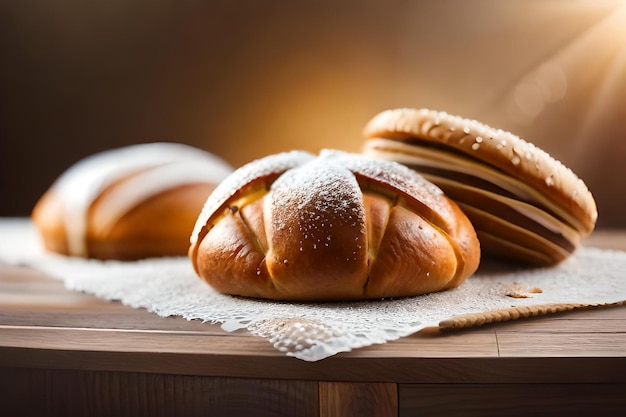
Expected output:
(496, 147)
(332, 227)
(46, 217)
(160, 226)
(517, 196)
(128, 203)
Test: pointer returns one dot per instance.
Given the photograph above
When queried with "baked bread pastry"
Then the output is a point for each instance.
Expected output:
(128, 203)
(338, 226)
(524, 204)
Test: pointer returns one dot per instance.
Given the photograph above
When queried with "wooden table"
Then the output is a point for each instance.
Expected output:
(67, 353)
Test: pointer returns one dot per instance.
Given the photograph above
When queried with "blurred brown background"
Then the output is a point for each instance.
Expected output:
(243, 79)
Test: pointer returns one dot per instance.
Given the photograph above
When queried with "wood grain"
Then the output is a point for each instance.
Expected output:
(68, 353)
(345, 399)
(483, 400)
(34, 392)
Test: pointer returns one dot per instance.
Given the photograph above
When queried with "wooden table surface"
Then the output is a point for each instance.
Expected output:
(68, 353)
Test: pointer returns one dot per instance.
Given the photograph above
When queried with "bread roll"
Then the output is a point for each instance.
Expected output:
(128, 203)
(338, 226)
(524, 204)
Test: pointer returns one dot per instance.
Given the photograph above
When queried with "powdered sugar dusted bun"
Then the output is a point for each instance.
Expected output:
(524, 204)
(338, 226)
(132, 202)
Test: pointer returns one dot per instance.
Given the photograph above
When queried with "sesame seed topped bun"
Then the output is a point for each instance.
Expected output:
(524, 204)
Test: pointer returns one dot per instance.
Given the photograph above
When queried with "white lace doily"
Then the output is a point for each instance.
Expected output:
(314, 331)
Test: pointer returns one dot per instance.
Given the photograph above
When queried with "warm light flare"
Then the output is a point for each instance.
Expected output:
(588, 69)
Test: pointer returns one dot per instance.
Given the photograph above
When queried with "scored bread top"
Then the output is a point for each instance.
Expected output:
(421, 194)
(498, 148)
(331, 226)
(246, 176)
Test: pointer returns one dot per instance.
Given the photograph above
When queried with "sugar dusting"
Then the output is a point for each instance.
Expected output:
(469, 128)
(399, 178)
(523, 153)
(246, 174)
(325, 196)
(523, 159)
(311, 197)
